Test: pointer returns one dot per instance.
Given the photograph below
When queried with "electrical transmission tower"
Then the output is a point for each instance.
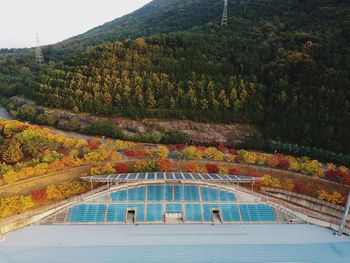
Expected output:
(38, 52)
(224, 15)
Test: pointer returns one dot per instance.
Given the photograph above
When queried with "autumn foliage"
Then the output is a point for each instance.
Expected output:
(299, 187)
(121, 168)
(233, 171)
(39, 195)
(28, 151)
(335, 197)
(165, 165)
(66, 190)
(135, 153)
(193, 167)
(17, 204)
(212, 168)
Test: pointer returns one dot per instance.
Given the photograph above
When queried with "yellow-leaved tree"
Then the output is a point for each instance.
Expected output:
(13, 153)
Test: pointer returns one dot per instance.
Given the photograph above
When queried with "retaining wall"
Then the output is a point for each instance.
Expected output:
(307, 201)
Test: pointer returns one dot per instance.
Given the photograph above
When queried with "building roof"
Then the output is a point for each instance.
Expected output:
(174, 243)
(169, 177)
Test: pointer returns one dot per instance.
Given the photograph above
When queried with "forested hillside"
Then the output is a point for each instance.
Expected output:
(159, 16)
(284, 65)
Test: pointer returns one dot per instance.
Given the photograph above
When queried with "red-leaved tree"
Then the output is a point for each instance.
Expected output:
(233, 171)
(39, 195)
(222, 148)
(121, 168)
(212, 168)
(299, 187)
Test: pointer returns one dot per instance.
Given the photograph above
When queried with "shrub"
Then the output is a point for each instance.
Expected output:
(192, 167)
(191, 152)
(316, 153)
(261, 158)
(135, 153)
(72, 125)
(165, 165)
(105, 128)
(121, 168)
(15, 204)
(180, 146)
(39, 195)
(92, 158)
(272, 161)
(335, 175)
(146, 166)
(234, 171)
(153, 137)
(223, 170)
(313, 167)
(248, 157)
(159, 152)
(232, 151)
(175, 137)
(35, 143)
(222, 148)
(27, 113)
(299, 187)
(335, 197)
(268, 180)
(258, 141)
(51, 157)
(201, 148)
(171, 147)
(47, 118)
(121, 145)
(65, 190)
(252, 174)
(283, 164)
(229, 158)
(210, 152)
(103, 169)
(218, 156)
(93, 144)
(212, 168)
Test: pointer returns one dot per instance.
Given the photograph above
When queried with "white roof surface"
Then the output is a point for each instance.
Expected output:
(174, 243)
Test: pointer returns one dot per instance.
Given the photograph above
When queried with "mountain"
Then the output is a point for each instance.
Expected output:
(281, 65)
(159, 16)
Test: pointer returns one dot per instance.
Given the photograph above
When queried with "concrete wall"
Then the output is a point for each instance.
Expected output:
(29, 220)
(34, 216)
(307, 201)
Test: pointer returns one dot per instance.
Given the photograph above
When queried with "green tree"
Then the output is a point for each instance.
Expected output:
(27, 113)
(47, 119)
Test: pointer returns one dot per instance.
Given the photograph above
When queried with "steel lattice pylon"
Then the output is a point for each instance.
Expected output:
(224, 15)
(38, 52)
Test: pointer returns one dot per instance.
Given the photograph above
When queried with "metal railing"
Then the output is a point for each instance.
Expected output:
(28, 214)
(290, 208)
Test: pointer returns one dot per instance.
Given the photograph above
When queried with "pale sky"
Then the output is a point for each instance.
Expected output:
(56, 20)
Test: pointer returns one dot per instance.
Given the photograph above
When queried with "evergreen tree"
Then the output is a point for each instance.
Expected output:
(151, 102)
(225, 103)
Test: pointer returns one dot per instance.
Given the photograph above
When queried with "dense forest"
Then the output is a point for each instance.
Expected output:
(282, 65)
